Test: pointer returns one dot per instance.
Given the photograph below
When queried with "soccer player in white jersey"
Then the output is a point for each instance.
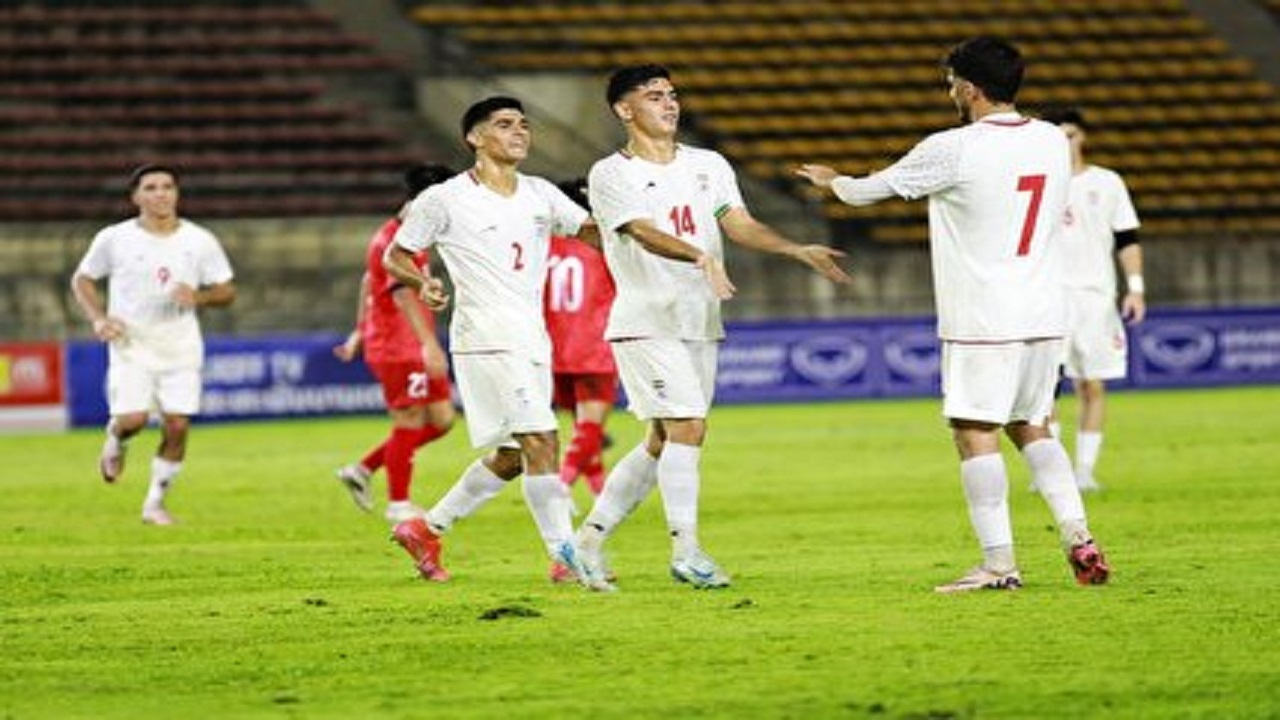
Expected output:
(664, 208)
(492, 227)
(1100, 227)
(997, 189)
(160, 268)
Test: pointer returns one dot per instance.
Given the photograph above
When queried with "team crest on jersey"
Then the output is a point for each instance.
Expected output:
(541, 225)
(704, 182)
(1068, 217)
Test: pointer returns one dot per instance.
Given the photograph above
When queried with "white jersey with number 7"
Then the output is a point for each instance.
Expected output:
(997, 192)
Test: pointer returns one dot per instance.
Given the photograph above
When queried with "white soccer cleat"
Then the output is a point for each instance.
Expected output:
(588, 566)
(156, 515)
(983, 579)
(699, 570)
(356, 479)
(111, 461)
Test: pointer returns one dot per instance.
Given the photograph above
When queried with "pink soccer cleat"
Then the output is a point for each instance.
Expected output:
(561, 574)
(415, 536)
(1088, 564)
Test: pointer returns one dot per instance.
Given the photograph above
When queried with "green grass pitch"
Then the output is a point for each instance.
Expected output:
(275, 597)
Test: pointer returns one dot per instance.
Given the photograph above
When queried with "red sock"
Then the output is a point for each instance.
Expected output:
(588, 436)
(375, 459)
(429, 433)
(400, 448)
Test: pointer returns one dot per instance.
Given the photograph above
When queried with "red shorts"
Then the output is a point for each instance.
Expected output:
(405, 384)
(573, 388)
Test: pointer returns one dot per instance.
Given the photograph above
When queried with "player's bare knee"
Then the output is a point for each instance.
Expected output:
(128, 425)
(506, 463)
(686, 431)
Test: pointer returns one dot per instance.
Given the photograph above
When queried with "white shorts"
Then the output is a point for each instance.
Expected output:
(503, 394)
(1000, 382)
(667, 379)
(133, 388)
(1096, 347)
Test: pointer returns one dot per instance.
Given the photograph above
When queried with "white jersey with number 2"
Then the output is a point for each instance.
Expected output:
(495, 248)
(997, 192)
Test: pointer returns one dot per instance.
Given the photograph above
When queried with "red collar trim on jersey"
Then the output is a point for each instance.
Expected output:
(474, 177)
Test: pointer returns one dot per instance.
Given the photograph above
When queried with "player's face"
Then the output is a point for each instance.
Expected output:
(1075, 136)
(962, 93)
(157, 195)
(653, 108)
(504, 136)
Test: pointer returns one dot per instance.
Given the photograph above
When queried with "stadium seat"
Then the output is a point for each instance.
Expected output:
(234, 93)
(855, 84)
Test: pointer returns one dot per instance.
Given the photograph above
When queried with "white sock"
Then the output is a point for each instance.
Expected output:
(549, 503)
(1088, 447)
(1051, 472)
(163, 473)
(628, 484)
(986, 489)
(477, 486)
(679, 481)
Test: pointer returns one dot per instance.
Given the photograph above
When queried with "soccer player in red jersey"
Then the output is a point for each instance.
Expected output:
(398, 336)
(576, 306)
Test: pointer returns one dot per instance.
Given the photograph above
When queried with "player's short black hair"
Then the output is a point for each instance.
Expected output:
(626, 79)
(993, 64)
(1066, 116)
(576, 189)
(479, 112)
(424, 175)
(135, 177)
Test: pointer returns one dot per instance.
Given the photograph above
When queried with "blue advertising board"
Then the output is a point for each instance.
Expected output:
(760, 362)
(246, 378)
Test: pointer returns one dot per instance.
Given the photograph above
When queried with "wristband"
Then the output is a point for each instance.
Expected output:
(1135, 284)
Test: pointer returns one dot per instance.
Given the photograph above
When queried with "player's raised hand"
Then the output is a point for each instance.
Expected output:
(433, 295)
(721, 286)
(820, 175)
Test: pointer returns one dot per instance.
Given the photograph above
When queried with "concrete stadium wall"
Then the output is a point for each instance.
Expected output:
(302, 275)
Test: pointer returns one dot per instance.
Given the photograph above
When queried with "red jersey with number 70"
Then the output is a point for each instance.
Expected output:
(386, 334)
(576, 305)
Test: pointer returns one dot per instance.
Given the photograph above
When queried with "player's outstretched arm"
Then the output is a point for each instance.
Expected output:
(744, 229)
(669, 246)
(853, 191)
